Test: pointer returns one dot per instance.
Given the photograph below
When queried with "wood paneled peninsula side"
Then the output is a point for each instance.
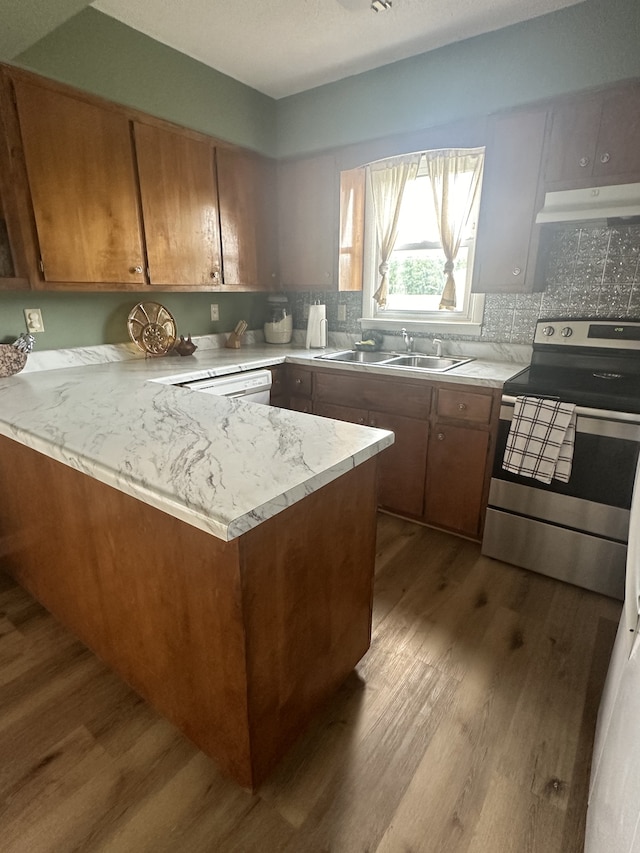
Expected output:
(217, 554)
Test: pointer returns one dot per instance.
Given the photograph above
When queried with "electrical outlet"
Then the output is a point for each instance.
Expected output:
(33, 319)
(342, 312)
(215, 312)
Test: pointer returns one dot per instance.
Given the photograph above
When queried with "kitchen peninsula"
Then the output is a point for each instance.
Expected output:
(217, 554)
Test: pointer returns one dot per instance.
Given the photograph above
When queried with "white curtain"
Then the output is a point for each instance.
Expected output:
(455, 179)
(387, 180)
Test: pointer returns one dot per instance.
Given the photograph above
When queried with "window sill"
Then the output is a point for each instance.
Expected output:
(443, 327)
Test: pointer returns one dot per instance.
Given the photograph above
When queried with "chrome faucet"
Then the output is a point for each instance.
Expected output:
(437, 346)
(408, 340)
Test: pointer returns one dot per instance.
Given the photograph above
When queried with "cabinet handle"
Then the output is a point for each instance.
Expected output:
(516, 270)
(583, 161)
(604, 158)
(135, 270)
(462, 406)
(440, 436)
(298, 381)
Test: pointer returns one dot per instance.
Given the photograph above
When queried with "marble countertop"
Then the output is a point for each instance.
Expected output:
(220, 464)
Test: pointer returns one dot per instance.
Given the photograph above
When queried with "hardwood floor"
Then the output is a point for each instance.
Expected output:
(467, 728)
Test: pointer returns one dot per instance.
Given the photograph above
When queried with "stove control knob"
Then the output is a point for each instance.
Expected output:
(548, 331)
(566, 332)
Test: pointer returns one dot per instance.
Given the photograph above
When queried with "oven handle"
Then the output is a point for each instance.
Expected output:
(593, 421)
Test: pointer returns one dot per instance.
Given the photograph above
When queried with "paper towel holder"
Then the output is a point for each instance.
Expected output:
(317, 326)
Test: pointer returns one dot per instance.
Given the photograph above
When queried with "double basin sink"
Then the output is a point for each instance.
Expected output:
(433, 363)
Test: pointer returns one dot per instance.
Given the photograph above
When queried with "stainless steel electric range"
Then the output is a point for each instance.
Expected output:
(575, 531)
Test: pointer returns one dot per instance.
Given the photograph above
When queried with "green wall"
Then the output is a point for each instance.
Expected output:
(586, 45)
(24, 22)
(73, 320)
(101, 55)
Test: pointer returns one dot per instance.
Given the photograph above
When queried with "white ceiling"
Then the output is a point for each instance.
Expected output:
(281, 47)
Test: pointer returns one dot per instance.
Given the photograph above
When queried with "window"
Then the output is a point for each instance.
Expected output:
(416, 265)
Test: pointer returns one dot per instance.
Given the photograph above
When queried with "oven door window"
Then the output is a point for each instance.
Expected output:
(603, 469)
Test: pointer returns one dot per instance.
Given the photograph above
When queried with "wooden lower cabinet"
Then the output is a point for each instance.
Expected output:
(403, 408)
(438, 469)
(456, 470)
(237, 643)
(401, 467)
(279, 386)
(299, 383)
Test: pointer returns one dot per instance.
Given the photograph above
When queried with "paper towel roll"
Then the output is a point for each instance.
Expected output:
(317, 327)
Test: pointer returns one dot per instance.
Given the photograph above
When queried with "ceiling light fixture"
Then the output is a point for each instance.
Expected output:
(381, 5)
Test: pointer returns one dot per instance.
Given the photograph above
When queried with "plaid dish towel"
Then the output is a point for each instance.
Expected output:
(541, 438)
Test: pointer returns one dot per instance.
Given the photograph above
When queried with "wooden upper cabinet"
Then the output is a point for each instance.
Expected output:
(81, 174)
(179, 206)
(248, 219)
(308, 221)
(595, 140)
(507, 238)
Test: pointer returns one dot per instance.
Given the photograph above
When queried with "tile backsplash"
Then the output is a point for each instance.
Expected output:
(591, 270)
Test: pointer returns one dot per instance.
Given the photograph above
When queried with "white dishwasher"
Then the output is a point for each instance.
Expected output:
(253, 386)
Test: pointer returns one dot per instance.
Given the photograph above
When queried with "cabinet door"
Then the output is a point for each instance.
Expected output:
(402, 467)
(308, 215)
(571, 149)
(179, 206)
(247, 192)
(617, 156)
(506, 241)
(279, 386)
(595, 139)
(455, 478)
(81, 175)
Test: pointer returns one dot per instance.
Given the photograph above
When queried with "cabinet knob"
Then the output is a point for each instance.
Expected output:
(583, 162)
(214, 275)
(604, 158)
(361, 420)
(462, 406)
(372, 422)
(516, 270)
(298, 381)
(440, 436)
(137, 270)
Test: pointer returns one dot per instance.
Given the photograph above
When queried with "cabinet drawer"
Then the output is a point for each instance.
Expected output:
(381, 395)
(299, 380)
(464, 405)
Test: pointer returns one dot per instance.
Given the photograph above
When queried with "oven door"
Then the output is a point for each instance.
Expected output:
(575, 531)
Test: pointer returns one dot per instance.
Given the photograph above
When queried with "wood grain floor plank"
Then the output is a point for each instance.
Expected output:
(479, 691)
(457, 768)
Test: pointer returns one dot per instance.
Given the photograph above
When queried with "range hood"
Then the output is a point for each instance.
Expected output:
(602, 203)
